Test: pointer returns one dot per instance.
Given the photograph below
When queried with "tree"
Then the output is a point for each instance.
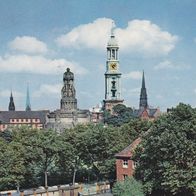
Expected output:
(166, 156)
(120, 115)
(12, 168)
(41, 149)
(128, 187)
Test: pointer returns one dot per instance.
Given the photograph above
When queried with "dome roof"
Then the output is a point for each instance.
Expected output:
(112, 42)
(68, 75)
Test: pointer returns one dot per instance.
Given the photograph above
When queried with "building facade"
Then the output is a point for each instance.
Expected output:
(13, 118)
(68, 115)
(125, 166)
(112, 75)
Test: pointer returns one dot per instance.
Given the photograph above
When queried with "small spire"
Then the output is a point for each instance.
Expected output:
(28, 105)
(143, 94)
(11, 106)
(143, 80)
(112, 29)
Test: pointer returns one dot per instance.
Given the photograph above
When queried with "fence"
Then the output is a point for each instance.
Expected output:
(64, 190)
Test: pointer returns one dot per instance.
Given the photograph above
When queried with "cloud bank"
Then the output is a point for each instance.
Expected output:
(28, 44)
(139, 36)
(38, 65)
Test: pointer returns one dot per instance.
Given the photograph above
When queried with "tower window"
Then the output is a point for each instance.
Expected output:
(125, 163)
(113, 89)
(113, 54)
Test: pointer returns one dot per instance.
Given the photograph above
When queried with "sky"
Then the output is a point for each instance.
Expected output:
(39, 39)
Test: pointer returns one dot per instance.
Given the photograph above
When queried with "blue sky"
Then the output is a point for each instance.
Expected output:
(39, 39)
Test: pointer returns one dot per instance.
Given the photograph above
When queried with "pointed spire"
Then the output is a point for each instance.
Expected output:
(112, 41)
(28, 105)
(11, 106)
(143, 94)
(112, 29)
(143, 81)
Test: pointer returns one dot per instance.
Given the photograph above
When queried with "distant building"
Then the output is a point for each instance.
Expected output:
(112, 75)
(144, 111)
(12, 118)
(97, 114)
(125, 166)
(68, 115)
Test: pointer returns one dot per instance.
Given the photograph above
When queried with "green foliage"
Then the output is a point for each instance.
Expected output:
(12, 168)
(167, 154)
(84, 152)
(121, 114)
(128, 187)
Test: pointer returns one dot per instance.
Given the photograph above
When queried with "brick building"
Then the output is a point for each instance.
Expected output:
(124, 165)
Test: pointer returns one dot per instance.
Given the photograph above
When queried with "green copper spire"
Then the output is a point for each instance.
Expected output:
(28, 105)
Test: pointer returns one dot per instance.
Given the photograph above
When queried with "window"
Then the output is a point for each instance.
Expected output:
(17, 120)
(125, 163)
(21, 120)
(125, 176)
(134, 164)
(26, 120)
(12, 120)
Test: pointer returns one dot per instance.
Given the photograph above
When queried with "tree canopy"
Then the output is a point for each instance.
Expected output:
(166, 155)
(128, 187)
(120, 115)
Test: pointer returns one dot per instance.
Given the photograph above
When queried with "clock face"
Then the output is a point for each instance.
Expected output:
(113, 66)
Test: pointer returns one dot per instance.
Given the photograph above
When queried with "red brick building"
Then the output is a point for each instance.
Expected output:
(124, 165)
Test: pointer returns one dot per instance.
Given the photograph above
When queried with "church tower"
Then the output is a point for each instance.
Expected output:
(68, 92)
(112, 75)
(11, 106)
(143, 94)
(28, 105)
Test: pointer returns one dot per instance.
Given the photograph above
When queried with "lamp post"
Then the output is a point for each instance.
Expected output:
(46, 179)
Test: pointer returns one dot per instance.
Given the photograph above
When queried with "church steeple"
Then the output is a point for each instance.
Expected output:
(28, 105)
(143, 94)
(112, 74)
(11, 106)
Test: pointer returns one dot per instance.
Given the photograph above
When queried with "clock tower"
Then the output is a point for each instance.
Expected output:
(112, 75)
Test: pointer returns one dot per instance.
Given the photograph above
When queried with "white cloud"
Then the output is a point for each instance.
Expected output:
(135, 75)
(28, 44)
(169, 65)
(139, 36)
(145, 37)
(38, 65)
(48, 89)
(91, 35)
(7, 93)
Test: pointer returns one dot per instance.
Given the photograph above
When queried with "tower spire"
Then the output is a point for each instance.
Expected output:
(143, 94)
(11, 106)
(28, 105)
(112, 29)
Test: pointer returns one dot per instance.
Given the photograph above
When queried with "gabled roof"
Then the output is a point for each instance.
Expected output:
(5, 116)
(128, 151)
(151, 112)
